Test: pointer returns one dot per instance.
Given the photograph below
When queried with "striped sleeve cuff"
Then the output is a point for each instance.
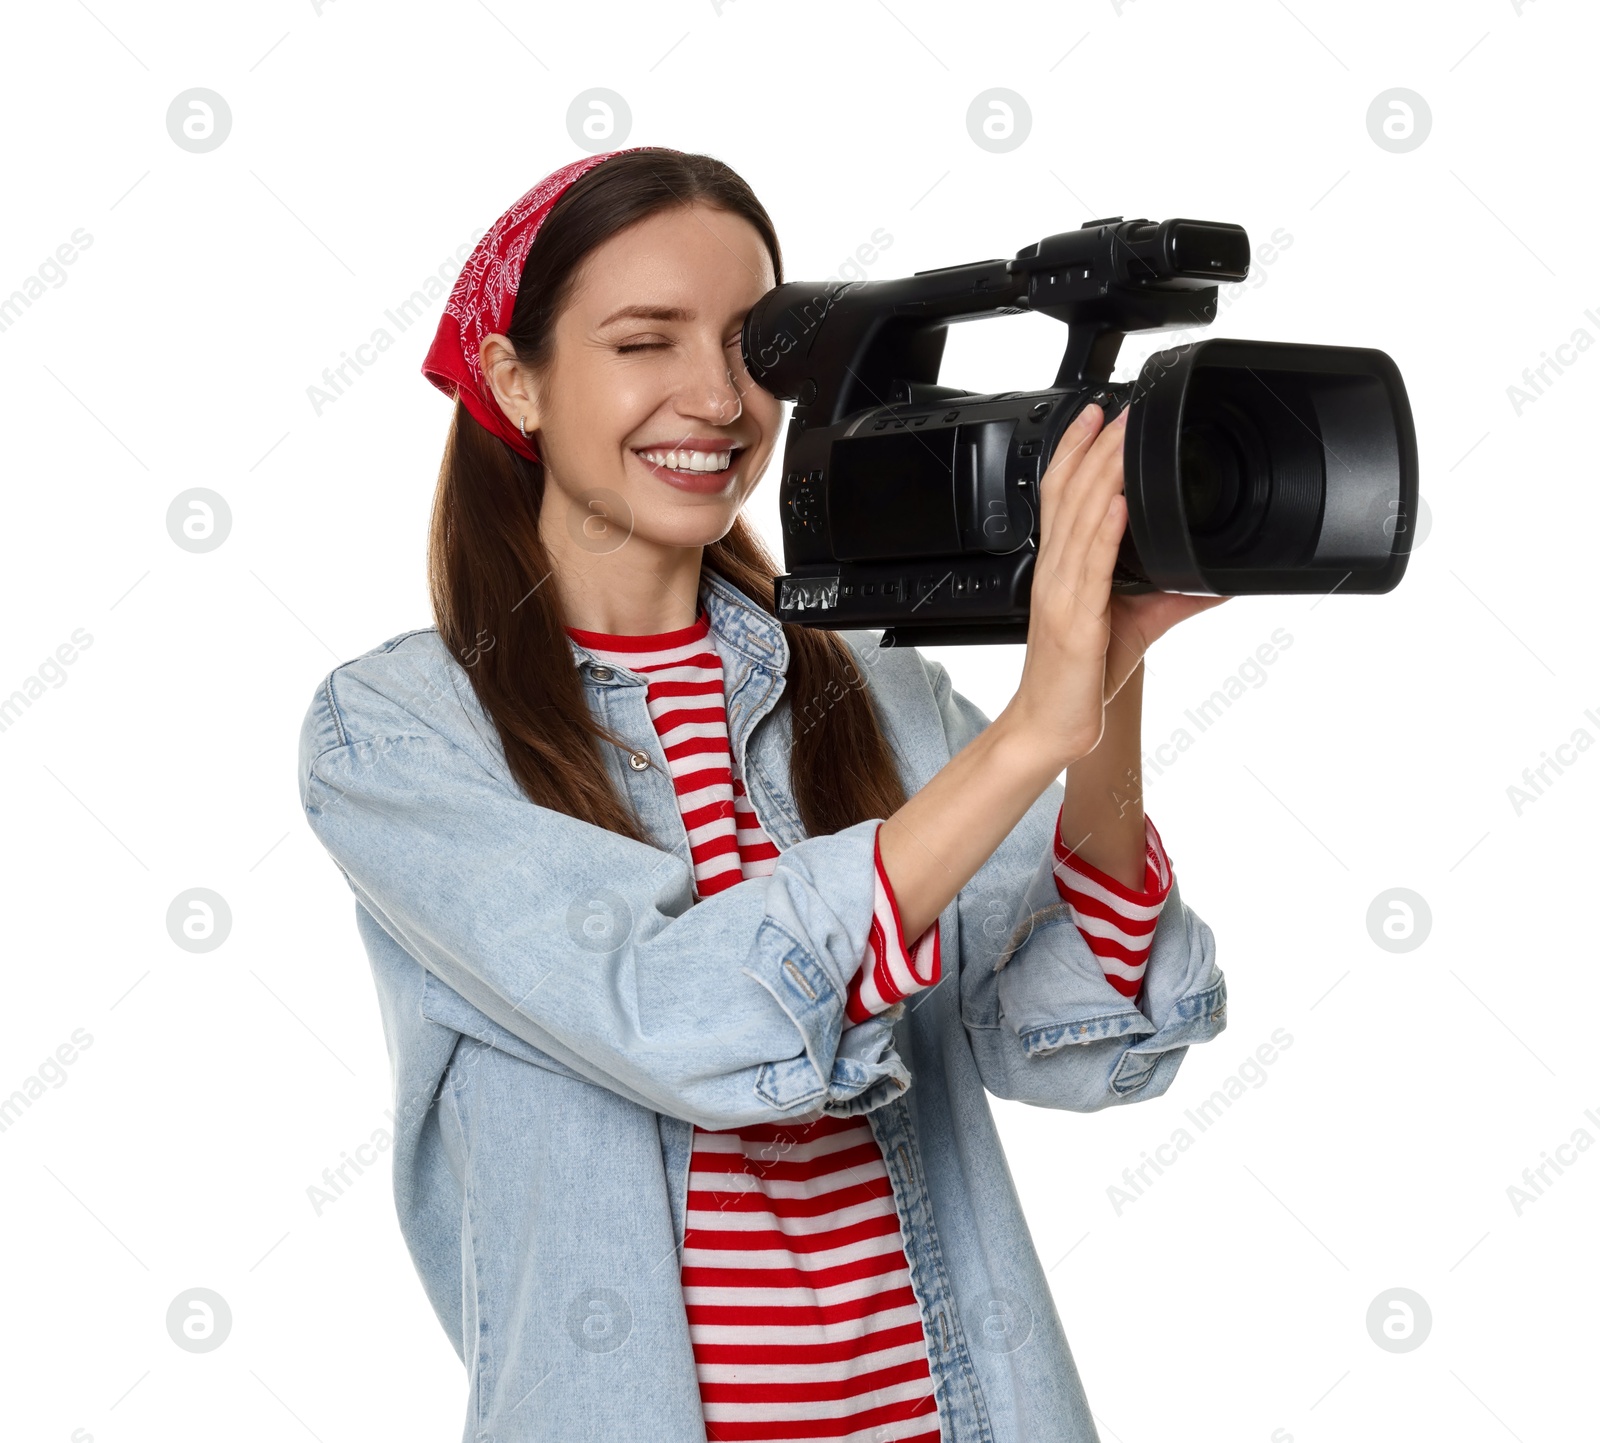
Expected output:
(1117, 922)
(890, 971)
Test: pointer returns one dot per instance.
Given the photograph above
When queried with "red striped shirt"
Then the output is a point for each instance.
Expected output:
(796, 1287)
(1115, 921)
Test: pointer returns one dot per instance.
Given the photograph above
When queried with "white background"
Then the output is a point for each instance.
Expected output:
(367, 143)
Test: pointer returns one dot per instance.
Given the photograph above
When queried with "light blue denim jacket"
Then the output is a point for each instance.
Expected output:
(559, 1011)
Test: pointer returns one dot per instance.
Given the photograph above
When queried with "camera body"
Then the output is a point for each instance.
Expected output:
(1249, 466)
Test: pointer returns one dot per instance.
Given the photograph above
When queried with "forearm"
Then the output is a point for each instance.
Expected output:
(1102, 816)
(936, 842)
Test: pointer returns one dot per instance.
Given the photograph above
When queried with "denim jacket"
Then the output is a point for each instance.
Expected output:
(559, 1012)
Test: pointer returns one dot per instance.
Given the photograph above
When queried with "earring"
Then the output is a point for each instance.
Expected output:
(522, 425)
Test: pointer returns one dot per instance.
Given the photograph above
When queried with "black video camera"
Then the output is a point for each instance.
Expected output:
(1250, 467)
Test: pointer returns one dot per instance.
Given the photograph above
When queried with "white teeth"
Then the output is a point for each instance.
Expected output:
(690, 460)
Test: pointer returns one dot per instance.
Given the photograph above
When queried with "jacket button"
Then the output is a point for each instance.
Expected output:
(638, 761)
(601, 673)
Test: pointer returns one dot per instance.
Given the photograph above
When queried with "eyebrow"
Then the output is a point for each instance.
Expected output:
(649, 313)
(653, 313)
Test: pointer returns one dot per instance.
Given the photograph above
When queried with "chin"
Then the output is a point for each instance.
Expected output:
(690, 526)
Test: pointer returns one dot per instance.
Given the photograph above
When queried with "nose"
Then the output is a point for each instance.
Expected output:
(714, 392)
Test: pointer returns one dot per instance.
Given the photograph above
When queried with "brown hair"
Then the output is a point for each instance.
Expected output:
(486, 562)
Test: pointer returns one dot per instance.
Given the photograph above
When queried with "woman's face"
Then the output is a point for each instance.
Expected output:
(647, 415)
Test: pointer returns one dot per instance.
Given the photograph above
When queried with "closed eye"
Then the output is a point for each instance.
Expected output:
(660, 345)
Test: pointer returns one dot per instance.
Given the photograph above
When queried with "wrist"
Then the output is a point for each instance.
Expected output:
(1018, 750)
(1124, 671)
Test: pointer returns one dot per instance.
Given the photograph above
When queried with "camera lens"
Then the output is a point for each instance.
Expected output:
(1208, 470)
(1257, 467)
(1249, 470)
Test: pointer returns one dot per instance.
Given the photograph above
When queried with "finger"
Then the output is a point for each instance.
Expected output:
(1078, 590)
(1102, 459)
(1082, 505)
(1074, 442)
(1107, 446)
(1100, 557)
(1064, 462)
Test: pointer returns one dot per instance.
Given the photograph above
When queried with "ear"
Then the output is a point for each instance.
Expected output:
(510, 381)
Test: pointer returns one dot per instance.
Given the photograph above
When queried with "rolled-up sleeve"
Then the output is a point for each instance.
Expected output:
(895, 966)
(588, 945)
(1045, 1024)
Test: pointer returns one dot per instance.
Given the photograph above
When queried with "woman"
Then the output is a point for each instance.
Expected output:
(670, 905)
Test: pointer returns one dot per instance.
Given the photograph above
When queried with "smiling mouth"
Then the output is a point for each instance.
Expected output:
(692, 463)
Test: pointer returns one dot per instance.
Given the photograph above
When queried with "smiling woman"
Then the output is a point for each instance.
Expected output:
(618, 385)
(658, 938)
(629, 382)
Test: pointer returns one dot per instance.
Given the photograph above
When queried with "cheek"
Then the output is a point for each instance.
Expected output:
(596, 407)
(765, 408)
(602, 418)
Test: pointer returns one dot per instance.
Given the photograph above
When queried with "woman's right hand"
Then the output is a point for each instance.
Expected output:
(1059, 705)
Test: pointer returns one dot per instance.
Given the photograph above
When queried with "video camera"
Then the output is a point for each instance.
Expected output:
(1249, 467)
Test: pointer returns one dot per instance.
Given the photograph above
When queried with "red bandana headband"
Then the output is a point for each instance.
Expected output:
(484, 295)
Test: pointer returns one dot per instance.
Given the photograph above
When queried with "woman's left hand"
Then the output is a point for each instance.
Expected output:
(1137, 620)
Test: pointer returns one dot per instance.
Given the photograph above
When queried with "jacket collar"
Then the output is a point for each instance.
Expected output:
(743, 626)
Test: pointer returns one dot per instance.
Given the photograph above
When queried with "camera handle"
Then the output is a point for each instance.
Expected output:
(1090, 355)
(1068, 276)
(1103, 280)
(1112, 276)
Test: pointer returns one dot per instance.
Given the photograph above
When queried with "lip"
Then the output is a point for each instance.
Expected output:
(701, 483)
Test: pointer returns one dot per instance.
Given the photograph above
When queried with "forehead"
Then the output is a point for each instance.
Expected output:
(695, 260)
